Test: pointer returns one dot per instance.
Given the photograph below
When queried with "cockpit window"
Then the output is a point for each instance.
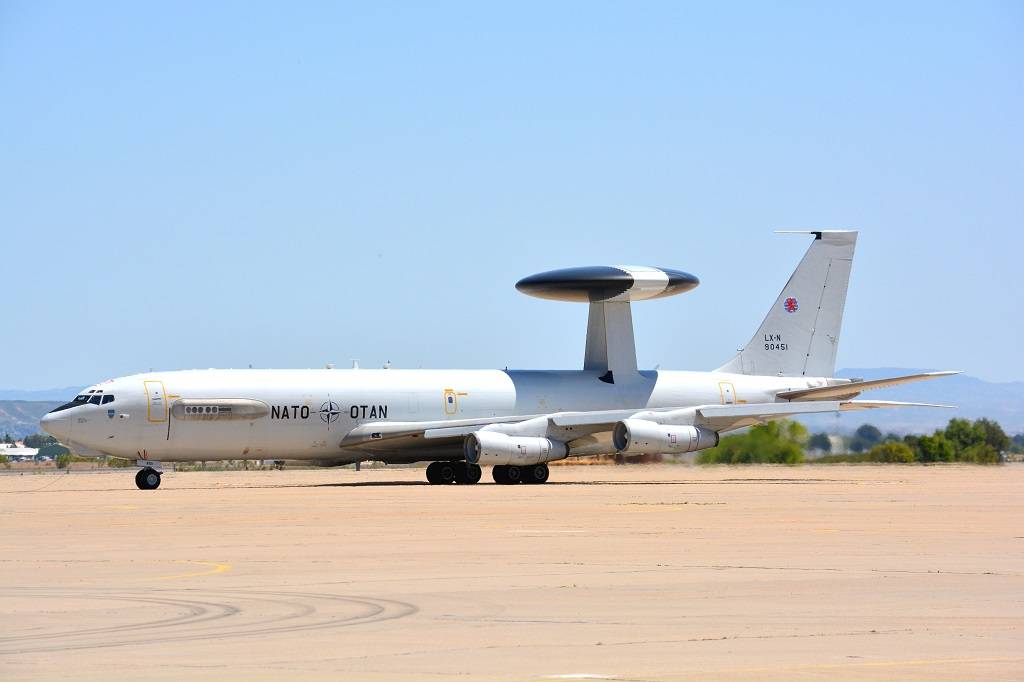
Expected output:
(79, 400)
(108, 399)
(95, 399)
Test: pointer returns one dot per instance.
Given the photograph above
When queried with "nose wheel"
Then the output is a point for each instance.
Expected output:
(147, 479)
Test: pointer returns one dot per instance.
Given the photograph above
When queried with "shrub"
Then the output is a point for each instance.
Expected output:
(777, 442)
(891, 452)
(979, 453)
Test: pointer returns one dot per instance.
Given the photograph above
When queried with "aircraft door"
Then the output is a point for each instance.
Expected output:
(451, 402)
(728, 393)
(156, 402)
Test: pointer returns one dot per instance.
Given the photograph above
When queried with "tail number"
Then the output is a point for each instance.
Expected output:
(774, 342)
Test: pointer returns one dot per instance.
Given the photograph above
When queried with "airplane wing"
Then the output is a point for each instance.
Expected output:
(855, 388)
(584, 432)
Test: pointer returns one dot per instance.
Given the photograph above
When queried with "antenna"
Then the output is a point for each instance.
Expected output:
(610, 349)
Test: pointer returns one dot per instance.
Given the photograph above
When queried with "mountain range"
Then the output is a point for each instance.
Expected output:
(971, 397)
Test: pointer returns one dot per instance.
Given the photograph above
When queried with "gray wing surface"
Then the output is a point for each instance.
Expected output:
(584, 432)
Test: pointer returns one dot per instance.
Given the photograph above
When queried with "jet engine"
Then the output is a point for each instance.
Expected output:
(642, 437)
(491, 447)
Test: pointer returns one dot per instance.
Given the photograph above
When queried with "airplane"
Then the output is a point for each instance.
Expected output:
(516, 421)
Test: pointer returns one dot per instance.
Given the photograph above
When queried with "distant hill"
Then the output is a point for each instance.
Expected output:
(21, 417)
(974, 398)
(61, 394)
(1004, 402)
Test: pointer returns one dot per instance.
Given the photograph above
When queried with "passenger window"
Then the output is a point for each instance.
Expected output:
(95, 399)
(108, 399)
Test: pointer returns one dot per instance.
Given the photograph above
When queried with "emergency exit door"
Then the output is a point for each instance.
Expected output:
(156, 401)
(728, 393)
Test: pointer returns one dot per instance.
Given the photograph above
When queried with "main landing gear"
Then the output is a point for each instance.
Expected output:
(147, 479)
(443, 473)
(510, 474)
(463, 473)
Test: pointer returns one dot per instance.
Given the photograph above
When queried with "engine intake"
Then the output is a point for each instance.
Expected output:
(642, 437)
(490, 447)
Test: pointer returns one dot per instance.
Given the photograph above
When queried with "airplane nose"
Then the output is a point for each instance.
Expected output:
(57, 424)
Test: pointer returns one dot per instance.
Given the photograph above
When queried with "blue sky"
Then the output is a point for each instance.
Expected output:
(282, 185)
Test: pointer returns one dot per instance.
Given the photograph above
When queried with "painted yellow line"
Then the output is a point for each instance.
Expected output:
(214, 568)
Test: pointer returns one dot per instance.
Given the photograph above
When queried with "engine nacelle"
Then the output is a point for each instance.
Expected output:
(491, 447)
(642, 437)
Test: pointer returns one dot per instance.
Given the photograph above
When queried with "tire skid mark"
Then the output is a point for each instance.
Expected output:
(197, 612)
(218, 614)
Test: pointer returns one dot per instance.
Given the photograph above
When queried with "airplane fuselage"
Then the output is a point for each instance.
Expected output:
(205, 415)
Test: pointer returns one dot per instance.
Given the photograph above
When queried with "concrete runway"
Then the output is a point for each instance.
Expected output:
(624, 573)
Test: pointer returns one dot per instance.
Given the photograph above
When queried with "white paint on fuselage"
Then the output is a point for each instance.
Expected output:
(297, 428)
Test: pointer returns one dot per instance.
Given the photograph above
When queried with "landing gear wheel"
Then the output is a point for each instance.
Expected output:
(432, 473)
(445, 472)
(507, 474)
(467, 474)
(147, 479)
(538, 473)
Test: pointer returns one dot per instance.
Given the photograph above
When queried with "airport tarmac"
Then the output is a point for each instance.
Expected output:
(651, 572)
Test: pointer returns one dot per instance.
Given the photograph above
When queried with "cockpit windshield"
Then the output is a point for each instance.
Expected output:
(92, 397)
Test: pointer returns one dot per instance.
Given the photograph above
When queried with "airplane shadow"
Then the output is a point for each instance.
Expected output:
(398, 484)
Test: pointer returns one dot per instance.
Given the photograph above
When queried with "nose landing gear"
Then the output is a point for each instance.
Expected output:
(147, 479)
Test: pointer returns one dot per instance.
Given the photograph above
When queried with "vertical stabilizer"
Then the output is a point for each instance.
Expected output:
(800, 334)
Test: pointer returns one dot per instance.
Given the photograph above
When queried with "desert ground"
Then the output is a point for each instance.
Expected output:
(654, 572)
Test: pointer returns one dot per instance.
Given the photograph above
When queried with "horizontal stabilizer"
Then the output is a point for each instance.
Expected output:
(854, 388)
(877, 404)
(729, 417)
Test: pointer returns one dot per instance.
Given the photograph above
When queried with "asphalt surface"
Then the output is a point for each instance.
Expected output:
(624, 573)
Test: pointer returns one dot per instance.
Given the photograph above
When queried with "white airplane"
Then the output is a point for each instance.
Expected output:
(515, 421)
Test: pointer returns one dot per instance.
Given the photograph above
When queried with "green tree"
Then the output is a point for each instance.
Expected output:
(935, 448)
(777, 442)
(994, 434)
(891, 452)
(865, 437)
(963, 434)
(7, 438)
(820, 441)
(55, 451)
(1017, 443)
(39, 440)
